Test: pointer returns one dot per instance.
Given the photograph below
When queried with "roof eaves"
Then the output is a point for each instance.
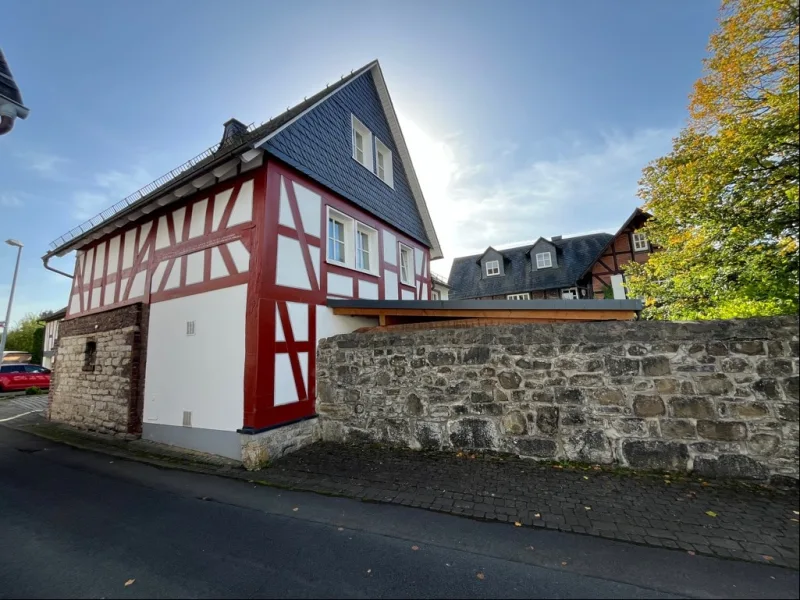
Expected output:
(637, 211)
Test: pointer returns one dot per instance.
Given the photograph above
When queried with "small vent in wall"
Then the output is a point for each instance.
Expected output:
(189, 327)
(187, 418)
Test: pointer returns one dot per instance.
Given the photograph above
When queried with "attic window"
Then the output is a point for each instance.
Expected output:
(492, 267)
(362, 143)
(544, 260)
(640, 242)
(525, 296)
(383, 163)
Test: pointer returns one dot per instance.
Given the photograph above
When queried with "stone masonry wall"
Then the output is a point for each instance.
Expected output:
(107, 396)
(719, 398)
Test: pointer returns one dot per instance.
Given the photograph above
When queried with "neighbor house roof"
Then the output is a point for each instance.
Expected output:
(573, 256)
(56, 316)
(638, 212)
(254, 138)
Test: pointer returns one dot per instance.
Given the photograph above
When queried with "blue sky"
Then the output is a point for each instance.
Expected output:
(523, 118)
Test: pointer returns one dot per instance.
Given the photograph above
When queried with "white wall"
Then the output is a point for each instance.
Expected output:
(329, 324)
(201, 373)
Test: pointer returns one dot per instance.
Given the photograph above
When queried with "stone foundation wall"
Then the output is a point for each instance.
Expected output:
(719, 398)
(102, 393)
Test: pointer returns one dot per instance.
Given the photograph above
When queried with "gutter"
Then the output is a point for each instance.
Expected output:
(46, 258)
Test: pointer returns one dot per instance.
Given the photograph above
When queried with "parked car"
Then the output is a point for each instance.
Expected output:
(23, 376)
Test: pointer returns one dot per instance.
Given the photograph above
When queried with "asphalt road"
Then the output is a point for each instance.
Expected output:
(80, 524)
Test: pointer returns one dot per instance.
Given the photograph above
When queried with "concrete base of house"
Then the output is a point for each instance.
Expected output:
(253, 450)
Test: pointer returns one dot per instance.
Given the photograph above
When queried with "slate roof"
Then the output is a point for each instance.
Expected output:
(8, 87)
(574, 256)
(319, 144)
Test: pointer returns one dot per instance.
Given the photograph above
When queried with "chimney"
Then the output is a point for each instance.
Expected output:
(555, 238)
(233, 128)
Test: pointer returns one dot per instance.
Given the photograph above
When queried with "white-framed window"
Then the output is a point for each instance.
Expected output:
(366, 248)
(383, 163)
(525, 296)
(492, 267)
(435, 295)
(340, 238)
(570, 293)
(406, 265)
(640, 243)
(362, 142)
(543, 260)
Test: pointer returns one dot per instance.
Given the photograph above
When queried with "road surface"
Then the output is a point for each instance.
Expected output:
(80, 524)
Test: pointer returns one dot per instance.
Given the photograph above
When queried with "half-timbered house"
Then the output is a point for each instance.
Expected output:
(197, 303)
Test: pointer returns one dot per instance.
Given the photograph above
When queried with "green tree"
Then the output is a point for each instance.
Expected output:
(22, 336)
(725, 200)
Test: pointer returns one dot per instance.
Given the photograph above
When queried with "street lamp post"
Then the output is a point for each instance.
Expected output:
(10, 298)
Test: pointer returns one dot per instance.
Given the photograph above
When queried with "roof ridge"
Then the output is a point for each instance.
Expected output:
(531, 244)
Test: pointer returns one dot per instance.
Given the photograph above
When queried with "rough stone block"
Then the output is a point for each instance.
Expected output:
(428, 435)
(568, 396)
(532, 365)
(775, 367)
(667, 386)
(572, 417)
(763, 444)
(607, 396)
(692, 408)
(509, 379)
(656, 366)
(714, 385)
(656, 455)
(788, 412)
(439, 358)
(750, 347)
(414, 405)
(648, 406)
(547, 420)
(473, 433)
(722, 430)
(749, 410)
(791, 387)
(678, 429)
(730, 466)
(535, 447)
(588, 446)
(477, 356)
(617, 366)
(586, 380)
(515, 423)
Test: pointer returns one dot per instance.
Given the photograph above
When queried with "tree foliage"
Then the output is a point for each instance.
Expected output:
(725, 200)
(22, 336)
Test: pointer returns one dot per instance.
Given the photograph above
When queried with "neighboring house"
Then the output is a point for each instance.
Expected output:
(203, 295)
(11, 105)
(551, 268)
(439, 288)
(629, 244)
(52, 323)
(583, 267)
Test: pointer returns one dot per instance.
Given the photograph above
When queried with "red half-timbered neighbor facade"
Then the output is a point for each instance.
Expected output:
(629, 244)
(234, 256)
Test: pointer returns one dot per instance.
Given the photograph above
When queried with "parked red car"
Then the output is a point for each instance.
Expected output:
(21, 377)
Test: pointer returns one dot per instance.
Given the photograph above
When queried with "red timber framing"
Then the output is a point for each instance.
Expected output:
(269, 298)
(111, 284)
(618, 253)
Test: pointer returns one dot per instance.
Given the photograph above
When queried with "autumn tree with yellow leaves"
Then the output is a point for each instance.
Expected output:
(725, 200)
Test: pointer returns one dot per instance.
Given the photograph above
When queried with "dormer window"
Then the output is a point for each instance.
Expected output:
(383, 163)
(640, 243)
(362, 143)
(544, 260)
(492, 267)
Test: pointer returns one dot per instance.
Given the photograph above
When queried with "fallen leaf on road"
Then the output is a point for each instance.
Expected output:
(796, 512)
(480, 576)
(415, 548)
(129, 582)
(295, 509)
(531, 548)
(518, 524)
(767, 557)
(588, 507)
(369, 571)
(596, 468)
(538, 516)
(690, 552)
(341, 529)
(585, 477)
(704, 483)
(564, 564)
(557, 467)
(711, 513)
(795, 520)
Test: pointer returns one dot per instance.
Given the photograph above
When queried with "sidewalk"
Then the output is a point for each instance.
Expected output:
(728, 520)
(752, 523)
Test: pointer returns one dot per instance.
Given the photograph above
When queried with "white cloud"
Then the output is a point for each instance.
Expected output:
(45, 164)
(109, 188)
(9, 200)
(587, 188)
